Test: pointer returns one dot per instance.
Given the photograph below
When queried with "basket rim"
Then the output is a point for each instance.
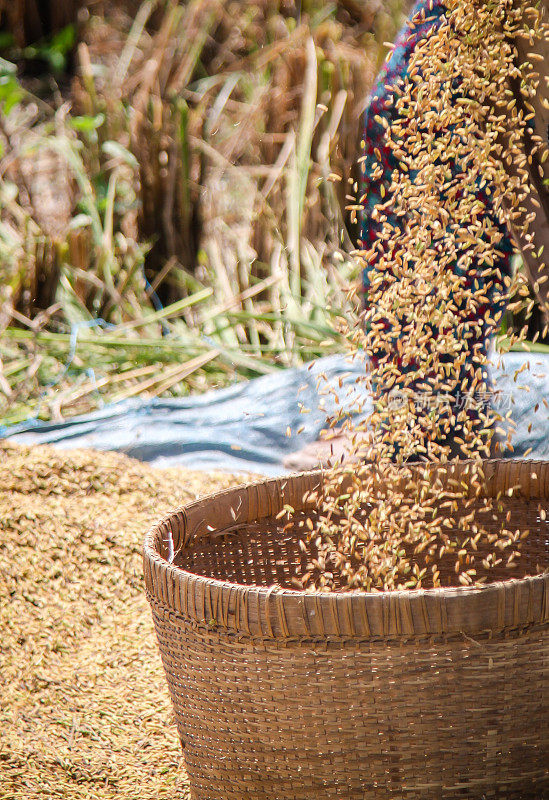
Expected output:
(514, 602)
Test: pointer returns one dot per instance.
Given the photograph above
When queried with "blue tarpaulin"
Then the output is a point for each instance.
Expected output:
(243, 428)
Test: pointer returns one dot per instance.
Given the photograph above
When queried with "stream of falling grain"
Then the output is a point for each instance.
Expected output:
(462, 139)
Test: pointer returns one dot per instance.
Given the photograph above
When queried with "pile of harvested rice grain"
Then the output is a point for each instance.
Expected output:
(84, 707)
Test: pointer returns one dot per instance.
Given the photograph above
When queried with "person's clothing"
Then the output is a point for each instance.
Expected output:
(378, 164)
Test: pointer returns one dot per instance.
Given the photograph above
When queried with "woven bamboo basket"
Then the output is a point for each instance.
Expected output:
(286, 695)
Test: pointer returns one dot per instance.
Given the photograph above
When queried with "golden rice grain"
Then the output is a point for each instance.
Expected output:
(390, 525)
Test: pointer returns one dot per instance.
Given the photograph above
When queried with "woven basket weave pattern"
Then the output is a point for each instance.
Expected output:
(284, 695)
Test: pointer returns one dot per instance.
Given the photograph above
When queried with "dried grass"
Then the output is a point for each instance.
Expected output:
(195, 158)
(193, 161)
(84, 708)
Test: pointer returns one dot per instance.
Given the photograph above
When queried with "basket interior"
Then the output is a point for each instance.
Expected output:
(267, 552)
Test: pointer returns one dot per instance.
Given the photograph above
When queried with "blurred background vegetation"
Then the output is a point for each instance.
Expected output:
(170, 219)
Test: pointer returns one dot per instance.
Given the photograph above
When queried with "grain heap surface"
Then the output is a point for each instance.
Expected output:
(84, 709)
(464, 138)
